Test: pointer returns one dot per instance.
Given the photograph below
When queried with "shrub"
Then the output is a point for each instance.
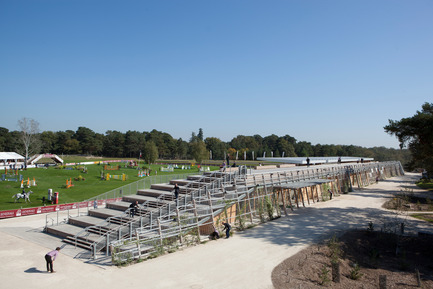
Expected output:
(324, 276)
(355, 273)
(269, 208)
(334, 247)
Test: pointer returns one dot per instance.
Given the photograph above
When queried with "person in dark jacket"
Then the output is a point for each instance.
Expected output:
(227, 228)
(176, 192)
(133, 209)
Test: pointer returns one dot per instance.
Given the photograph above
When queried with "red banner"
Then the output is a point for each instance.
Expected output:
(54, 208)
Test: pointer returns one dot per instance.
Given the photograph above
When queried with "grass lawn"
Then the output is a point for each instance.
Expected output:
(424, 217)
(426, 185)
(55, 179)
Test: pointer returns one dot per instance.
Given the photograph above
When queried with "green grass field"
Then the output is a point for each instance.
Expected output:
(55, 179)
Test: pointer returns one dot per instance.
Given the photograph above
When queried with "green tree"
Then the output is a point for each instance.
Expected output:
(304, 149)
(62, 137)
(150, 152)
(48, 140)
(284, 146)
(416, 133)
(86, 137)
(71, 146)
(164, 142)
(198, 151)
(113, 143)
(181, 149)
(4, 139)
(216, 146)
(246, 143)
(200, 134)
(134, 141)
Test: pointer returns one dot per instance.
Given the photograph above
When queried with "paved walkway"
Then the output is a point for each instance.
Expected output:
(244, 261)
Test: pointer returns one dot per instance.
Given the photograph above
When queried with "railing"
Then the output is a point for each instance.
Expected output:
(149, 218)
(144, 183)
(131, 188)
(147, 241)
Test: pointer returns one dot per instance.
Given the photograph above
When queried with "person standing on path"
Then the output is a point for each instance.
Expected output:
(50, 257)
(330, 194)
(227, 227)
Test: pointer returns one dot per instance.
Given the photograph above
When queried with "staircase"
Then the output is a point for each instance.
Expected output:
(103, 226)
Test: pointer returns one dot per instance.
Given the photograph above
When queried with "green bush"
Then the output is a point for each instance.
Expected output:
(355, 273)
(324, 276)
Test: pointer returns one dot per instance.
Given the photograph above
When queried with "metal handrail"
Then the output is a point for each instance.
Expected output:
(149, 236)
(160, 209)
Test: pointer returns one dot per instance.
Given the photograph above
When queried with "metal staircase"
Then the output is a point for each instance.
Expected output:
(103, 226)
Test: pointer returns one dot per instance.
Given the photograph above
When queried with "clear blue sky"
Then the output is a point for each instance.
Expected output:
(328, 72)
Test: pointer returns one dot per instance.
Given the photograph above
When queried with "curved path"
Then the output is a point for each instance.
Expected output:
(244, 261)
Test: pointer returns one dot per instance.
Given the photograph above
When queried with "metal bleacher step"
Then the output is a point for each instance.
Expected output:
(64, 230)
(119, 205)
(142, 199)
(79, 243)
(86, 221)
(162, 187)
(203, 179)
(105, 213)
(179, 182)
(154, 193)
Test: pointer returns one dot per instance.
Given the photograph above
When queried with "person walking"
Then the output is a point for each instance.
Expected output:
(227, 228)
(50, 257)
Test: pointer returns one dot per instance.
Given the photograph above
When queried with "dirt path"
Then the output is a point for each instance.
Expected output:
(244, 261)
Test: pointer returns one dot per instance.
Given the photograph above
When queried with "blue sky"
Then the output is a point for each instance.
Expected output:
(328, 72)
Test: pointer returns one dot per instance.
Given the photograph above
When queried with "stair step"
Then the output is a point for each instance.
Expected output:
(80, 243)
(86, 221)
(105, 213)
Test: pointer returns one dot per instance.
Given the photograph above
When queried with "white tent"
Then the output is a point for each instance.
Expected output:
(5, 156)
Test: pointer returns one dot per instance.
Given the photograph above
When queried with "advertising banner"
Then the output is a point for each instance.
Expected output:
(54, 208)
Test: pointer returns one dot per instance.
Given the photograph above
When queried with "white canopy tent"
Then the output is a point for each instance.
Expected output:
(6, 157)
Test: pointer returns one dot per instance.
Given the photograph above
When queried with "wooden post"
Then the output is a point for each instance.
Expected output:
(315, 188)
(306, 193)
(418, 278)
(296, 197)
(302, 196)
(312, 193)
(382, 281)
(249, 206)
(335, 272)
(282, 199)
(357, 180)
(290, 199)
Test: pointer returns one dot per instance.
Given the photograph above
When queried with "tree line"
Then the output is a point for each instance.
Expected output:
(156, 144)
